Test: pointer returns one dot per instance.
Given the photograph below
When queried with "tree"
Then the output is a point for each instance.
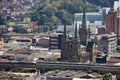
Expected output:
(10, 23)
(28, 70)
(46, 14)
(26, 20)
(107, 77)
(19, 29)
(50, 11)
(43, 19)
(64, 17)
(35, 17)
(2, 20)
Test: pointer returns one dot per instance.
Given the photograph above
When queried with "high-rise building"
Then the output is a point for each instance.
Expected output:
(113, 22)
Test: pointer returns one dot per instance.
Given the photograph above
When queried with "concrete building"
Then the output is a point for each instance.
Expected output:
(55, 41)
(116, 4)
(69, 28)
(21, 39)
(108, 43)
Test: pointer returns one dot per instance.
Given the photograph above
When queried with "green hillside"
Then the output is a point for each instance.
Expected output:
(55, 12)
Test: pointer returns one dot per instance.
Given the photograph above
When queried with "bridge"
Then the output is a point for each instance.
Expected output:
(17, 65)
(63, 65)
(17, 34)
(25, 34)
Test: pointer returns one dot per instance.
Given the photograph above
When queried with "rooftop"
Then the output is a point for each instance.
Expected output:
(89, 13)
(71, 74)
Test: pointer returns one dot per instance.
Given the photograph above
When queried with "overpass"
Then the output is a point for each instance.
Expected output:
(17, 65)
(17, 34)
(63, 65)
(25, 34)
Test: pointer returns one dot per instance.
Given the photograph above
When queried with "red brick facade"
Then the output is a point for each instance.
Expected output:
(101, 30)
(113, 22)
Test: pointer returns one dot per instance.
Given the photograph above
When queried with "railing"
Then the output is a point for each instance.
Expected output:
(62, 65)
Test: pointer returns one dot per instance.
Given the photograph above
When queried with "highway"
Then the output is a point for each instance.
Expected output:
(80, 66)
(30, 34)
(21, 34)
(62, 65)
(17, 65)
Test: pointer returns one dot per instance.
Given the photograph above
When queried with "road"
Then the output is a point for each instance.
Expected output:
(27, 34)
(63, 65)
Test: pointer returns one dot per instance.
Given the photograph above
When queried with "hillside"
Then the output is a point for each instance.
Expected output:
(55, 12)
(48, 13)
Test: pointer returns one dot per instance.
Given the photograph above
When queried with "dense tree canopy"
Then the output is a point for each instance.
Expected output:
(19, 29)
(50, 13)
(55, 12)
(2, 20)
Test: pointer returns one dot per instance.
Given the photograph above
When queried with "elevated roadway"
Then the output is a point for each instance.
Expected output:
(17, 65)
(27, 34)
(63, 65)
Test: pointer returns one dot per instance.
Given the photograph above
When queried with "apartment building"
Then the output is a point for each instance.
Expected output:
(108, 43)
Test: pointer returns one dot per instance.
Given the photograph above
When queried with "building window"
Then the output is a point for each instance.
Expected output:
(70, 45)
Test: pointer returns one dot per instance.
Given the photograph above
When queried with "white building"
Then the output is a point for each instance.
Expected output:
(69, 28)
(116, 4)
(107, 43)
(94, 19)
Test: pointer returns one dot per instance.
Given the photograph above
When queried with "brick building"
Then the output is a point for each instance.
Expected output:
(113, 22)
(101, 30)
